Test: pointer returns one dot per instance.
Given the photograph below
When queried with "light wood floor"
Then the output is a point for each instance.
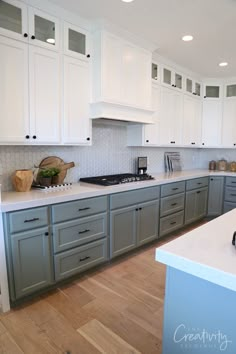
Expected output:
(116, 309)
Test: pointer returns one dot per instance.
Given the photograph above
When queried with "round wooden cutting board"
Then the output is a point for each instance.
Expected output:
(54, 161)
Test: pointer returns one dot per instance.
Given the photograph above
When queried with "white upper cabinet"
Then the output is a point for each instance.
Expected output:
(212, 91)
(76, 122)
(211, 123)
(171, 78)
(193, 87)
(156, 73)
(14, 111)
(171, 117)
(192, 121)
(13, 19)
(76, 42)
(28, 24)
(44, 94)
(229, 116)
(121, 79)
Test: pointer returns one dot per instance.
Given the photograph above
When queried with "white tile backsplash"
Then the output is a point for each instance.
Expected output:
(108, 155)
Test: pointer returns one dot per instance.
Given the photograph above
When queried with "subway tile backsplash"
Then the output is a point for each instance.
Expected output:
(109, 154)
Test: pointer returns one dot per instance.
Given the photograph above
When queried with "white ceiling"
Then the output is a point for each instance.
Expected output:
(164, 22)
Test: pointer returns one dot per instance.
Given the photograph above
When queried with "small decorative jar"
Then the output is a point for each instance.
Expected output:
(212, 165)
(232, 166)
(222, 165)
(22, 180)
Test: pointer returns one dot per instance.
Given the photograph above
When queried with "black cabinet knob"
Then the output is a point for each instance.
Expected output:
(193, 143)
(173, 85)
(147, 141)
(25, 35)
(46, 234)
(203, 143)
(136, 209)
(88, 138)
(33, 37)
(34, 137)
(212, 179)
(172, 142)
(27, 137)
(234, 144)
(205, 96)
(88, 55)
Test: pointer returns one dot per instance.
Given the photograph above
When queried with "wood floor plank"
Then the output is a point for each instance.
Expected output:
(77, 295)
(28, 336)
(120, 324)
(2, 328)
(64, 336)
(105, 340)
(8, 345)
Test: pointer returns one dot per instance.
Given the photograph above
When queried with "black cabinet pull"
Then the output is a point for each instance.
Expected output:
(34, 137)
(140, 208)
(193, 143)
(233, 182)
(172, 142)
(32, 37)
(46, 233)
(31, 220)
(233, 195)
(136, 209)
(27, 137)
(88, 55)
(212, 179)
(205, 96)
(25, 35)
(173, 222)
(175, 189)
(84, 259)
(84, 231)
(234, 144)
(233, 240)
(198, 192)
(173, 85)
(199, 183)
(203, 143)
(147, 141)
(173, 204)
(88, 138)
(82, 209)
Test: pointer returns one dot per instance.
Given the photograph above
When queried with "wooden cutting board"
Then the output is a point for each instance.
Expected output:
(54, 161)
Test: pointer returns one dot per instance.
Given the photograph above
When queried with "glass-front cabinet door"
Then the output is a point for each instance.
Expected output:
(178, 81)
(189, 85)
(212, 91)
(230, 90)
(197, 91)
(13, 19)
(43, 29)
(172, 78)
(192, 87)
(76, 42)
(155, 72)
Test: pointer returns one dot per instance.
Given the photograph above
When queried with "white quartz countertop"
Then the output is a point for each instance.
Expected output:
(22, 200)
(206, 252)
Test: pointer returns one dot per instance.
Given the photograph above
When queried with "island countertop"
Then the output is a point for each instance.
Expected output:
(205, 252)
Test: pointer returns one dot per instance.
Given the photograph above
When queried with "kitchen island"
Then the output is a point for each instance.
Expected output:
(200, 311)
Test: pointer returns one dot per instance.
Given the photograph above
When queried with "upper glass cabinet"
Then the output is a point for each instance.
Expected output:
(231, 90)
(155, 72)
(43, 29)
(76, 41)
(172, 78)
(13, 18)
(192, 87)
(189, 85)
(212, 91)
(178, 81)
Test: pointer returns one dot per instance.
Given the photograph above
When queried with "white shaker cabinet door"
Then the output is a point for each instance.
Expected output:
(76, 122)
(44, 86)
(171, 117)
(14, 113)
(151, 131)
(211, 123)
(192, 121)
(229, 123)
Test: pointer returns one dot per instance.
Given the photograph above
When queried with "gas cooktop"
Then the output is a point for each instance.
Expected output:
(111, 180)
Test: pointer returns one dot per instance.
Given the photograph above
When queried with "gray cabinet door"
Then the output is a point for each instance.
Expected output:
(195, 205)
(31, 261)
(215, 197)
(148, 216)
(123, 230)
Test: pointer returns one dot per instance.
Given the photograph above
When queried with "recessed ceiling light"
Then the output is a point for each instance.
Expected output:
(51, 40)
(223, 63)
(187, 38)
(127, 0)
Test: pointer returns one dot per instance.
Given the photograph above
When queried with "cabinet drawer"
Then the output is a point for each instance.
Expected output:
(28, 219)
(172, 204)
(230, 181)
(172, 188)
(78, 208)
(230, 194)
(197, 183)
(229, 206)
(79, 259)
(124, 199)
(71, 234)
(171, 223)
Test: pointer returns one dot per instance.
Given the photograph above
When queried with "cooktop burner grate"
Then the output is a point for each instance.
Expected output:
(110, 180)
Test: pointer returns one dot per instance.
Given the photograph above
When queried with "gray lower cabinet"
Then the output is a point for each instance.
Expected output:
(230, 194)
(215, 196)
(195, 205)
(31, 261)
(133, 225)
